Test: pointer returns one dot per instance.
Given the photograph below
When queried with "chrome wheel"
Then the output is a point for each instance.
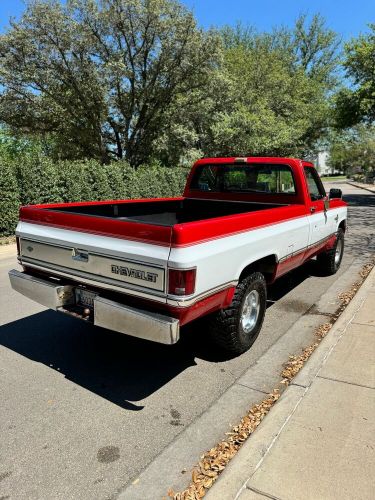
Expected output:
(338, 251)
(250, 311)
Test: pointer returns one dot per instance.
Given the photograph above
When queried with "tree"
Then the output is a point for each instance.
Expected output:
(357, 104)
(99, 77)
(279, 88)
(316, 48)
(15, 148)
(309, 45)
(353, 149)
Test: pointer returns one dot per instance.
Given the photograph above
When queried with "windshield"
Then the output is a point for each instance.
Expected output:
(251, 178)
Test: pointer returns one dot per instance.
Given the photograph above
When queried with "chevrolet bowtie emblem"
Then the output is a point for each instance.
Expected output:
(80, 255)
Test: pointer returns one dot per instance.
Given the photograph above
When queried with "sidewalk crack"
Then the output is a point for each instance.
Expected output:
(263, 493)
(345, 382)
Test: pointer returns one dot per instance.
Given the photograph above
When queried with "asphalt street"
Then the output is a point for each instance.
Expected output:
(83, 411)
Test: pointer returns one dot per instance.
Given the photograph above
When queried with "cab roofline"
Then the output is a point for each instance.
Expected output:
(251, 159)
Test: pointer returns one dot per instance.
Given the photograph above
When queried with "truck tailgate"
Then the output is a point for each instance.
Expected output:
(126, 265)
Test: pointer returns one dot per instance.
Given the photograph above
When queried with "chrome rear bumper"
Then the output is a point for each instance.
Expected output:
(107, 313)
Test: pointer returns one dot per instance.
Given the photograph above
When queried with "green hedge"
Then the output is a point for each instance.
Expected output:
(40, 180)
(9, 199)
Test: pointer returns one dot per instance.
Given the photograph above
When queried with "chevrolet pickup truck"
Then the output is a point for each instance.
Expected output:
(147, 267)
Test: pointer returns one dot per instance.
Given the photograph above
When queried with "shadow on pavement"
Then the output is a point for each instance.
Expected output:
(116, 367)
(360, 200)
(289, 281)
(361, 225)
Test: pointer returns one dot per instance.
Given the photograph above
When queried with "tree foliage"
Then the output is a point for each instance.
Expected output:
(138, 80)
(357, 104)
(100, 76)
(353, 149)
(274, 109)
(269, 96)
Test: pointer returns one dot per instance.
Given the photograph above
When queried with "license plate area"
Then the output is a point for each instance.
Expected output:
(84, 298)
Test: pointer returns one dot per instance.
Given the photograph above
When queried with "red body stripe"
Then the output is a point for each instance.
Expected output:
(105, 202)
(214, 302)
(298, 258)
(208, 305)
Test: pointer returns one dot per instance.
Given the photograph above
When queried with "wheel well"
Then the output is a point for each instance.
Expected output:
(342, 225)
(266, 265)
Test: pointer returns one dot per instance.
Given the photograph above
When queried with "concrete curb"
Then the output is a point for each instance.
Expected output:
(236, 475)
(361, 187)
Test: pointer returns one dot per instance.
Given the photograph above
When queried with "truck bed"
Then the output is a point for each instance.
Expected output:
(166, 222)
(165, 213)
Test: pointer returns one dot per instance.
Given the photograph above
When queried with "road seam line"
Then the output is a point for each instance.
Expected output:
(252, 388)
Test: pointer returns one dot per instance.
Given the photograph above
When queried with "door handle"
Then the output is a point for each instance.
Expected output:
(312, 209)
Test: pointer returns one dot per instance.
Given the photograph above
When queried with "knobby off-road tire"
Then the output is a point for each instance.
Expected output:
(329, 262)
(232, 329)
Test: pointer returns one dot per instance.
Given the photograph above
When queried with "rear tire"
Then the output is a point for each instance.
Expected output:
(329, 262)
(236, 328)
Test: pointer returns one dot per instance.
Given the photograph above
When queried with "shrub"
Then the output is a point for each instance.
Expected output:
(70, 180)
(119, 174)
(37, 179)
(9, 199)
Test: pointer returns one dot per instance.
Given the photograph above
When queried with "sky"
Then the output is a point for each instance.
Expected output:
(347, 17)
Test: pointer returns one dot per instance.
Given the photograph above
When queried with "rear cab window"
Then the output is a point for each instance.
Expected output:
(250, 178)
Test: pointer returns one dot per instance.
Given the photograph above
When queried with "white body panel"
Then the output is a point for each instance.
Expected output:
(100, 248)
(117, 247)
(222, 260)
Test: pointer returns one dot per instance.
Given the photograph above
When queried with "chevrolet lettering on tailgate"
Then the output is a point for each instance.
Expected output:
(134, 273)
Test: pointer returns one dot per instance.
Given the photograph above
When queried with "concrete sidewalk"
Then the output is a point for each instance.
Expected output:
(361, 185)
(318, 441)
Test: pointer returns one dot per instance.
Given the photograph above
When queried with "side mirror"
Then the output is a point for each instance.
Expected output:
(335, 193)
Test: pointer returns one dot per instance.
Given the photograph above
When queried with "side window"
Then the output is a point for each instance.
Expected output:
(315, 186)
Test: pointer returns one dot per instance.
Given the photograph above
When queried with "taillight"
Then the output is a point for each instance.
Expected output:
(181, 281)
(18, 245)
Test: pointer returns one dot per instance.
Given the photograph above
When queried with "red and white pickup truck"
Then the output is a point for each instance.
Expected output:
(147, 267)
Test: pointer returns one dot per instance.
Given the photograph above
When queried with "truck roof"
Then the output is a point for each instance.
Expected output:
(253, 159)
